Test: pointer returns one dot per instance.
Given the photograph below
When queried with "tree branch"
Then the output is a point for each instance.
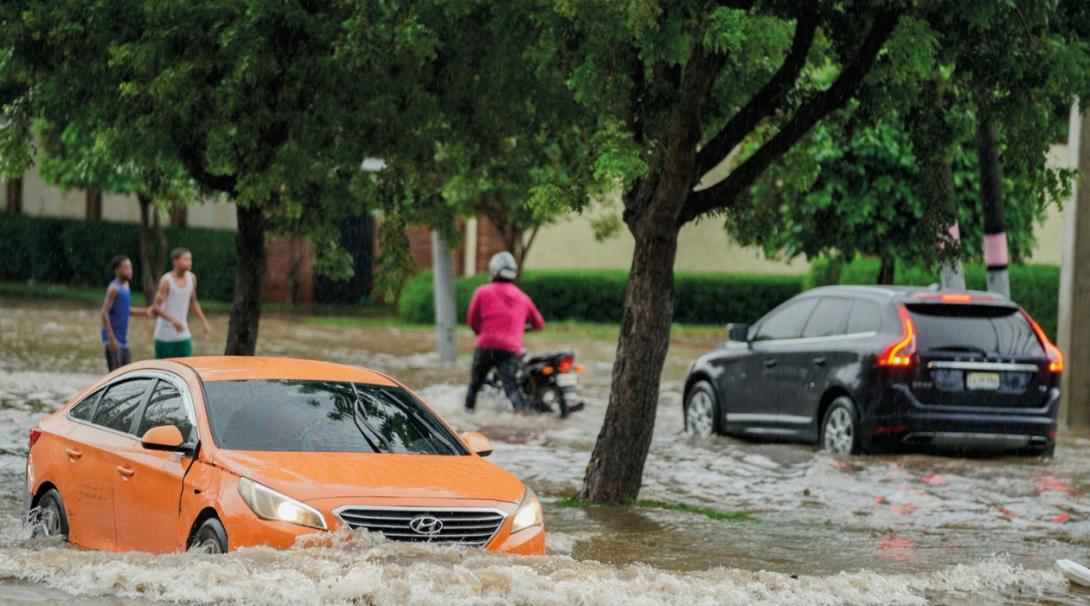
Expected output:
(817, 107)
(767, 100)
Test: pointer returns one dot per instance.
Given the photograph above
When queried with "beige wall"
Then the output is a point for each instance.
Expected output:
(42, 199)
(704, 246)
(1050, 233)
(567, 244)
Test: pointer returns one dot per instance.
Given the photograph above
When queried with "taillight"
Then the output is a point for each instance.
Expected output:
(1055, 357)
(901, 352)
(564, 365)
(35, 433)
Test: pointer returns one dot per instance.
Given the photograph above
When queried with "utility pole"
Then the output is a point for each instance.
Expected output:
(991, 194)
(1074, 318)
(445, 301)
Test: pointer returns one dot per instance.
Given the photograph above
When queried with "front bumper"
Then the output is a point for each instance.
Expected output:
(246, 530)
(907, 423)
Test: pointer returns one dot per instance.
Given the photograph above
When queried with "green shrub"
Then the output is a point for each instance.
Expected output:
(79, 252)
(598, 296)
(1034, 287)
(30, 249)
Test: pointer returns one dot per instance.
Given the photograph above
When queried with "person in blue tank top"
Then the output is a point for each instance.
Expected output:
(115, 314)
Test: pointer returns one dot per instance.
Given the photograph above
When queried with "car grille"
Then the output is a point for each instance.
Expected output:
(474, 527)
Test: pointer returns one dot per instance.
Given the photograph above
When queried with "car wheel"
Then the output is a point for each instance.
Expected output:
(702, 410)
(52, 519)
(840, 428)
(209, 538)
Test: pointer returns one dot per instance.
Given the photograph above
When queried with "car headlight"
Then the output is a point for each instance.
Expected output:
(268, 504)
(528, 514)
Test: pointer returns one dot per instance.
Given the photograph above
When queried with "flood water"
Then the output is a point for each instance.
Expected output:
(820, 530)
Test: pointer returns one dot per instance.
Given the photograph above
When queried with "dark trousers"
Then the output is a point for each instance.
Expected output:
(485, 360)
(117, 359)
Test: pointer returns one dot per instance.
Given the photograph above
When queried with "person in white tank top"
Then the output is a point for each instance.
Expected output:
(176, 296)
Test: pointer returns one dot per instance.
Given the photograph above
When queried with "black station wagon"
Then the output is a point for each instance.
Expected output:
(859, 369)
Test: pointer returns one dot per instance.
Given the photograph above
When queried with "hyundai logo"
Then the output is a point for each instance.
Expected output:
(428, 526)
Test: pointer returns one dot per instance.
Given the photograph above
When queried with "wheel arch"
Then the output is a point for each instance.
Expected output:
(203, 515)
(831, 394)
(43, 487)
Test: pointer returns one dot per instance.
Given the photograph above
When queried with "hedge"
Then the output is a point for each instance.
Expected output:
(598, 296)
(1034, 287)
(71, 251)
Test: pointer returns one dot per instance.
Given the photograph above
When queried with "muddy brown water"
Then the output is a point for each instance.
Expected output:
(822, 530)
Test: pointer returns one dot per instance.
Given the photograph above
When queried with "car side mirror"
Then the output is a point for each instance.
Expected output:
(165, 437)
(477, 443)
(739, 332)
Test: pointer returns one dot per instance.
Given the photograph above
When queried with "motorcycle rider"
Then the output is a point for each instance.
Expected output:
(498, 315)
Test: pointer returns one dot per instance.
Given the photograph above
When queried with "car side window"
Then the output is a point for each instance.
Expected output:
(120, 403)
(85, 408)
(786, 323)
(866, 316)
(830, 318)
(165, 407)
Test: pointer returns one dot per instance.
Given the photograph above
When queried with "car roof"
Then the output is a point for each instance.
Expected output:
(910, 294)
(243, 368)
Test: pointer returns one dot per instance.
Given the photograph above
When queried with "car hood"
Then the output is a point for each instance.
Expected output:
(320, 475)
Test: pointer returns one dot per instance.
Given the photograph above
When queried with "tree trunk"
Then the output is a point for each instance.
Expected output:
(615, 471)
(15, 195)
(249, 280)
(179, 215)
(150, 229)
(991, 195)
(951, 275)
(147, 280)
(446, 311)
(887, 270)
(94, 206)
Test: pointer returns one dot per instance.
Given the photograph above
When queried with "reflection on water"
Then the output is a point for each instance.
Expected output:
(894, 529)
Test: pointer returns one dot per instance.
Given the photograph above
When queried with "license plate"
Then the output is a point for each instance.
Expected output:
(982, 380)
(567, 379)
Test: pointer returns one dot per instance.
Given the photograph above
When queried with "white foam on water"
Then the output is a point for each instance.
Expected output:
(379, 572)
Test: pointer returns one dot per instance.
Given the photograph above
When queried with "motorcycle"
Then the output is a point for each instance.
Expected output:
(547, 383)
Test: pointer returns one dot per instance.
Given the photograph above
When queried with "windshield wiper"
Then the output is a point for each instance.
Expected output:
(359, 416)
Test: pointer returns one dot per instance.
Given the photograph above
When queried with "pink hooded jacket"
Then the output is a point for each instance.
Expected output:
(498, 314)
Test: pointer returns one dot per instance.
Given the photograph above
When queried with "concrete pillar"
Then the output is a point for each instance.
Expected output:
(446, 308)
(1074, 311)
(471, 247)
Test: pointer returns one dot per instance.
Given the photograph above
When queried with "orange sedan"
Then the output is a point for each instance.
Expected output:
(218, 453)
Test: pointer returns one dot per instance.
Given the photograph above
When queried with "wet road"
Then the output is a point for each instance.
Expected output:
(820, 530)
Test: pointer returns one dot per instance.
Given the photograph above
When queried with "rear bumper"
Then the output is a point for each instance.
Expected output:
(907, 423)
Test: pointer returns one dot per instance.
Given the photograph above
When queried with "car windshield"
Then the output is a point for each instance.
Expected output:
(975, 328)
(323, 416)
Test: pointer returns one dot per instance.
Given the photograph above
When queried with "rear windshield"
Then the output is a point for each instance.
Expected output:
(979, 329)
(323, 416)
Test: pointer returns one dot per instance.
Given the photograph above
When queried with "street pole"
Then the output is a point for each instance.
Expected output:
(1074, 319)
(445, 302)
(991, 194)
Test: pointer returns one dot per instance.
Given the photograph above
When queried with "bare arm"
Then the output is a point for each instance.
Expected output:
(111, 296)
(195, 305)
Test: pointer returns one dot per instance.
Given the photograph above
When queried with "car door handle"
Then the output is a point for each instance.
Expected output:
(770, 362)
(128, 472)
(73, 454)
(820, 361)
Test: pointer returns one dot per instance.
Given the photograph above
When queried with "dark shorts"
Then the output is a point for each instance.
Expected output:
(173, 349)
(117, 359)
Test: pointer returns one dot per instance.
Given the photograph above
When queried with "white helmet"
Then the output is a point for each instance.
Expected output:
(503, 265)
